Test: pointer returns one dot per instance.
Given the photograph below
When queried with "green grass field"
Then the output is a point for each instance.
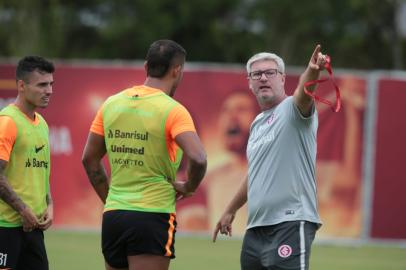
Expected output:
(80, 250)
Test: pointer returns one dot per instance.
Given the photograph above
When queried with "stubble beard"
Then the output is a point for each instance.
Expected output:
(266, 99)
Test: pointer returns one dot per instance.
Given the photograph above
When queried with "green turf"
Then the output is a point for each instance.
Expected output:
(79, 250)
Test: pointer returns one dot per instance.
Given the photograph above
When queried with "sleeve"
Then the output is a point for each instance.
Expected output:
(295, 113)
(179, 121)
(8, 135)
(97, 124)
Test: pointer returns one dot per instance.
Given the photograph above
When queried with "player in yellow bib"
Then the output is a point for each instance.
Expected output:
(144, 131)
(25, 200)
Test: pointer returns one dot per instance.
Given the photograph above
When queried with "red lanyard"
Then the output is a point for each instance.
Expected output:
(335, 107)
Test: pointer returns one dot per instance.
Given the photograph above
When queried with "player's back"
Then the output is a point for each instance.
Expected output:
(141, 170)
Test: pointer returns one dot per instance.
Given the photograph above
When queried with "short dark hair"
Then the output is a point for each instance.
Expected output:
(29, 64)
(162, 55)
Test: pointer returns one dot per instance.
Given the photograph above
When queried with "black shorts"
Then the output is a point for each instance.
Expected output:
(22, 250)
(285, 245)
(128, 233)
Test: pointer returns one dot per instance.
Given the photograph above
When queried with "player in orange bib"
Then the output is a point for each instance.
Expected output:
(25, 199)
(144, 131)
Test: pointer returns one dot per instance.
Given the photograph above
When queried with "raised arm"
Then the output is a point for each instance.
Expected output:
(195, 154)
(8, 195)
(94, 151)
(303, 101)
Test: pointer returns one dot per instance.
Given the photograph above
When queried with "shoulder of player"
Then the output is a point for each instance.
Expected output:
(7, 121)
(178, 108)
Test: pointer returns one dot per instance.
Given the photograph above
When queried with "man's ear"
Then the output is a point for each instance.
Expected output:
(176, 70)
(145, 66)
(20, 85)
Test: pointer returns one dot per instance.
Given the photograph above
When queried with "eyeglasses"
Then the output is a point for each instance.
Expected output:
(269, 73)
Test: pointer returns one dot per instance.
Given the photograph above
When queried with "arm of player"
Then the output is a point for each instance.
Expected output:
(94, 151)
(47, 217)
(196, 162)
(224, 224)
(303, 101)
(8, 195)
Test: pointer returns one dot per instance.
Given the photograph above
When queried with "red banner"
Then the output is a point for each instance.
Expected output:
(389, 200)
(223, 107)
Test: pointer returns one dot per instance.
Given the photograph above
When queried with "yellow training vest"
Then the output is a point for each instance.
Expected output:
(28, 168)
(141, 170)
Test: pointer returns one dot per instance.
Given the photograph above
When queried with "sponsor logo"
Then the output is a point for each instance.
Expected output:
(126, 149)
(35, 163)
(255, 142)
(28, 163)
(271, 118)
(134, 135)
(284, 251)
(289, 212)
(127, 162)
(37, 149)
